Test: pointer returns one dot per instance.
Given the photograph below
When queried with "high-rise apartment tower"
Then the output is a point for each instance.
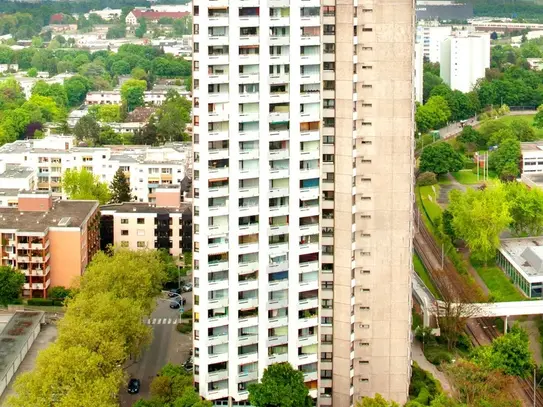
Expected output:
(303, 171)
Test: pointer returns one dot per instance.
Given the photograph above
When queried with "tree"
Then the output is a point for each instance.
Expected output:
(494, 35)
(146, 135)
(377, 401)
(11, 284)
(50, 111)
(538, 118)
(142, 28)
(281, 386)
(434, 114)
(172, 118)
(76, 89)
(59, 292)
(132, 93)
(471, 139)
(32, 73)
(479, 216)
(120, 68)
(120, 188)
(522, 130)
(87, 129)
(55, 91)
(106, 113)
(446, 224)
(82, 184)
(509, 353)
(506, 158)
(440, 158)
(116, 31)
(526, 209)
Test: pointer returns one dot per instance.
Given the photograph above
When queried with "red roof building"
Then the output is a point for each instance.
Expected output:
(153, 16)
(56, 18)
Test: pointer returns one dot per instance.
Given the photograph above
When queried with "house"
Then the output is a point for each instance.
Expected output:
(56, 18)
(152, 16)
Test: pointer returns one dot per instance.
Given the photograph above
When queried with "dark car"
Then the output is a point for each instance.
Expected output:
(174, 304)
(174, 292)
(134, 386)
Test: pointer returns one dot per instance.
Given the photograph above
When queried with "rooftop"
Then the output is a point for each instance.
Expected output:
(76, 211)
(14, 171)
(526, 254)
(531, 146)
(15, 335)
(131, 207)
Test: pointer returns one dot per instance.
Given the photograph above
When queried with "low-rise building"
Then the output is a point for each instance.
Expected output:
(153, 16)
(165, 225)
(531, 157)
(522, 260)
(535, 63)
(145, 167)
(9, 68)
(50, 241)
(113, 97)
(106, 14)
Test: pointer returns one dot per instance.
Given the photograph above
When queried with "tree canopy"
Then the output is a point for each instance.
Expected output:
(440, 158)
(433, 114)
(120, 188)
(83, 185)
(11, 284)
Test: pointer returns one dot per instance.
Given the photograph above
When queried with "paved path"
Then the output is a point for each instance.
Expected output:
(418, 356)
(47, 335)
(533, 333)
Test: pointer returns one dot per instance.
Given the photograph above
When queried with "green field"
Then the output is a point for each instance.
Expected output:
(429, 201)
(467, 177)
(423, 274)
(529, 118)
(501, 288)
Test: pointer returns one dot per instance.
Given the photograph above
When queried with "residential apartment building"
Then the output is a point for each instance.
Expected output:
(431, 35)
(145, 167)
(419, 73)
(257, 127)
(13, 179)
(274, 280)
(465, 56)
(51, 241)
(165, 225)
(113, 97)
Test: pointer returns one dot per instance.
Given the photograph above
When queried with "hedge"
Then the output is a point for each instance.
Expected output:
(45, 302)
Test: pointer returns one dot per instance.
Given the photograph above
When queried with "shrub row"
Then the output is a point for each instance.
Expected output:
(45, 302)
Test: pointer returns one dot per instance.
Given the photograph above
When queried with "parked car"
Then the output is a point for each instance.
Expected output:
(134, 386)
(174, 292)
(187, 287)
(174, 304)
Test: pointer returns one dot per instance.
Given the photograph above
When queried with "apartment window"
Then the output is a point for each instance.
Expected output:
(328, 158)
(329, 29)
(124, 232)
(326, 374)
(328, 213)
(329, 66)
(196, 47)
(367, 67)
(355, 31)
(326, 338)
(329, 122)
(141, 221)
(124, 221)
(196, 10)
(367, 29)
(328, 177)
(124, 243)
(329, 85)
(329, 11)
(141, 245)
(328, 140)
(327, 285)
(329, 103)
(329, 48)
(327, 304)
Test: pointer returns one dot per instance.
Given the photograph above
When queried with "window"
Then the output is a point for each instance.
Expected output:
(124, 232)
(329, 66)
(328, 140)
(329, 85)
(327, 304)
(124, 221)
(329, 122)
(326, 374)
(328, 213)
(326, 338)
(328, 158)
(367, 29)
(329, 29)
(140, 232)
(329, 48)
(124, 243)
(328, 177)
(327, 285)
(141, 221)
(141, 244)
(329, 103)
(329, 11)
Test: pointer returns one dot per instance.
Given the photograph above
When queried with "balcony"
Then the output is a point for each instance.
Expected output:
(247, 303)
(249, 59)
(279, 21)
(310, 154)
(253, 77)
(248, 284)
(249, 97)
(218, 154)
(278, 3)
(217, 266)
(249, 154)
(279, 116)
(217, 321)
(249, 39)
(279, 154)
(310, 21)
(217, 192)
(276, 173)
(274, 230)
(247, 322)
(218, 358)
(219, 209)
(248, 21)
(310, 39)
(248, 192)
(308, 303)
(217, 78)
(309, 173)
(247, 376)
(278, 248)
(217, 375)
(248, 357)
(308, 322)
(278, 192)
(23, 245)
(277, 340)
(217, 339)
(249, 209)
(248, 117)
(311, 135)
(277, 304)
(248, 229)
(23, 259)
(247, 340)
(310, 97)
(217, 40)
(218, 59)
(279, 40)
(216, 248)
(277, 322)
(310, 78)
(246, 248)
(310, 229)
(278, 358)
(217, 394)
(217, 230)
(278, 285)
(248, 135)
(280, 77)
(308, 340)
(217, 97)
(220, 172)
(308, 285)
(310, 376)
(247, 268)
(217, 303)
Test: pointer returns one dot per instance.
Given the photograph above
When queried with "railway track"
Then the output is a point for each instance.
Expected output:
(454, 289)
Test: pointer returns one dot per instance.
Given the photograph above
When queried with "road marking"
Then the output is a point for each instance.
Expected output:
(169, 321)
(154, 319)
(148, 322)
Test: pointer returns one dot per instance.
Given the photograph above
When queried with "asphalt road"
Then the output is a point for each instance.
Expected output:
(168, 346)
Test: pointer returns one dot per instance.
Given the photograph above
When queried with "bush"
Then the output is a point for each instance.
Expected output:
(186, 314)
(40, 301)
(427, 178)
(437, 355)
(16, 301)
(469, 165)
(423, 397)
(184, 327)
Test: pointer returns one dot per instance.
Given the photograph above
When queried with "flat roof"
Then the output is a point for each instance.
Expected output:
(15, 171)
(531, 146)
(527, 262)
(15, 335)
(40, 221)
(137, 207)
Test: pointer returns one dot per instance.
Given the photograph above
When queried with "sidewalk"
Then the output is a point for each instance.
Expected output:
(418, 356)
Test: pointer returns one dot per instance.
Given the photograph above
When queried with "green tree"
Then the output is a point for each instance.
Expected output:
(522, 130)
(32, 73)
(120, 68)
(87, 129)
(108, 136)
(506, 158)
(377, 401)
(440, 158)
(82, 184)
(172, 118)
(49, 110)
(479, 216)
(142, 28)
(132, 93)
(432, 115)
(281, 386)
(116, 31)
(59, 292)
(538, 118)
(120, 188)
(106, 113)
(76, 89)
(471, 139)
(55, 91)
(139, 74)
(526, 209)
(11, 284)
(447, 224)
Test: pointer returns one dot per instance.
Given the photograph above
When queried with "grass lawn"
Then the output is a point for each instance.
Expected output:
(467, 177)
(423, 274)
(501, 288)
(529, 118)
(428, 197)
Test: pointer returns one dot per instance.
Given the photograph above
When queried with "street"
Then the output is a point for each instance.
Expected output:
(168, 346)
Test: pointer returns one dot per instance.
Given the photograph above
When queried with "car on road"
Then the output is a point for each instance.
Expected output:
(134, 386)
(174, 304)
(174, 292)
(187, 287)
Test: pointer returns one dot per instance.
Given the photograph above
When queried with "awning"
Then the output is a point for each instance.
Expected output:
(249, 46)
(218, 179)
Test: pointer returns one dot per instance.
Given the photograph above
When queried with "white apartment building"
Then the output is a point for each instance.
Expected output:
(146, 167)
(257, 115)
(464, 58)
(431, 37)
(113, 97)
(419, 72)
